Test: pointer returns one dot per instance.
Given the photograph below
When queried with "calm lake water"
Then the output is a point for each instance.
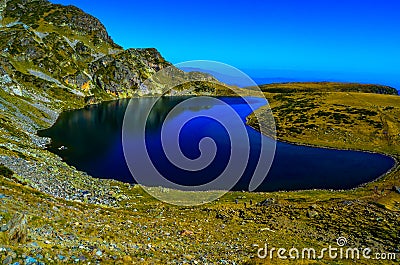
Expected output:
(93, 137)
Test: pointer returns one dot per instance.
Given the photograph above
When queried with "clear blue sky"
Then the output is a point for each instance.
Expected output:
(357, 40)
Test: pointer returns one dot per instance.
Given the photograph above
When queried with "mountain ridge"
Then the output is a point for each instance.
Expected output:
(51, 47)
(47, 68)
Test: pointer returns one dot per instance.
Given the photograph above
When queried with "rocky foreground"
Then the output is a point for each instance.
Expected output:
(40, 228)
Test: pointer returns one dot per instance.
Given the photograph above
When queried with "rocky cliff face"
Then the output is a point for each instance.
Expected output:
(52, 48)
(54, 58)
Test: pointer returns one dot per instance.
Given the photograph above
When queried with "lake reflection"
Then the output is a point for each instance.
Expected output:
(93, 136)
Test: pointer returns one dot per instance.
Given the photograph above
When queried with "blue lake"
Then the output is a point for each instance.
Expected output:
(93, 137)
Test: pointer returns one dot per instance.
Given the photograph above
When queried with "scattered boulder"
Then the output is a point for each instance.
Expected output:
(8, 260)
(266, 202)
(312, 213)
(30, 261)
(347, 203)
(18, 228)
(186, 233)
(221, 216)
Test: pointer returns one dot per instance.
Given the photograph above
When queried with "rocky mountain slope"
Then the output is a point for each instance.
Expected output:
(54, 58)
(58, 49)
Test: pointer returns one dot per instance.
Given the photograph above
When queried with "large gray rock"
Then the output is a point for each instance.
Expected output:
(18, 228)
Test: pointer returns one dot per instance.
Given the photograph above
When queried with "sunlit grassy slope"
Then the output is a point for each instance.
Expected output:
(337, 119)
(343, 120)
(140, 229)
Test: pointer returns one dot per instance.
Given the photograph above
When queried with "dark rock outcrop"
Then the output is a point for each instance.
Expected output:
(54, 47)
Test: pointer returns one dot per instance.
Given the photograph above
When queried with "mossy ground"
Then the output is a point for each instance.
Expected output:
(140, 229)
(144, 230)
(344, 120)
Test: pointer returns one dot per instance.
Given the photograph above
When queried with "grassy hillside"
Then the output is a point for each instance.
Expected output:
(109, 222)
(343, 120)
(337, 119)
(327, 87)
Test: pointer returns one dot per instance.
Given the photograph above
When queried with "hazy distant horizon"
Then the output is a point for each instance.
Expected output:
(283, 76)
(331, 38)
(261, 77)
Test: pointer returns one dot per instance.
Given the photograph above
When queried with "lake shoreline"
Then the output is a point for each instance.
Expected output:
(395, 160)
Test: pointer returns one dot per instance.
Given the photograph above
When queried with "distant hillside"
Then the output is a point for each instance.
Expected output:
(327, 87)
